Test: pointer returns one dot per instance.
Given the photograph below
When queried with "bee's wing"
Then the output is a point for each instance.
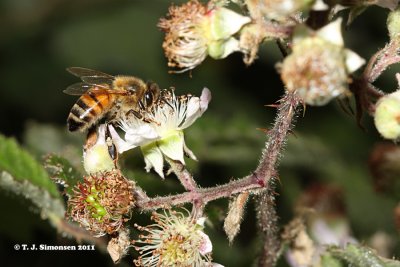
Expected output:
(92, 77)
(83, 72)
(81, 88)
(98, 80)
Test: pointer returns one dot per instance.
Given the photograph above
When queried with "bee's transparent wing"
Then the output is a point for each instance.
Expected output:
(80, 88)
(83, 72)
(98, 80)
(92, 77)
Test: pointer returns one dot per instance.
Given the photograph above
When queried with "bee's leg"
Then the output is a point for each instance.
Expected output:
(91, 138)
(135, 113)
(112, 150)
(140, 116)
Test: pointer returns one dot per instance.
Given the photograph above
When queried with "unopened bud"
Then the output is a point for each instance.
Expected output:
(393, 24)
(97, 157)
(387, 116)
(319, 65)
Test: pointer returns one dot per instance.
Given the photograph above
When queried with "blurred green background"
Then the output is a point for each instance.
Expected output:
(40, 38)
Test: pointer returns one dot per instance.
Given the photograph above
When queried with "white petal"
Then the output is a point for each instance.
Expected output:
(230, 46)
(193, 106)
(141, 135)
(353, 61)
(332, 32)
(119, 143)
(205, 245)
(205, 98)
(172, 146)
(217, 265)
(225, 23)
(196, 107)
(101, 138)
(153, 158)
(200, 221)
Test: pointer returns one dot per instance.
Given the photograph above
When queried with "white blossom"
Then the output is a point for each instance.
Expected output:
(161, 133)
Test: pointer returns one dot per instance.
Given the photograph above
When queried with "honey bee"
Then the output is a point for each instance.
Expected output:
(107, 97)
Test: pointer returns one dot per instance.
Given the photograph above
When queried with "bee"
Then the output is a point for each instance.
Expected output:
(107, 97)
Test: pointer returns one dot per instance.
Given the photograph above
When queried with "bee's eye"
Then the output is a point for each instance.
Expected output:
(148, 98)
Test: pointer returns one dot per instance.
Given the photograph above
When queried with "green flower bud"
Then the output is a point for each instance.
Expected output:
(393, 23)
(387, 116)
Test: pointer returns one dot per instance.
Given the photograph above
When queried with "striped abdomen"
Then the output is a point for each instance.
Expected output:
(89, 108)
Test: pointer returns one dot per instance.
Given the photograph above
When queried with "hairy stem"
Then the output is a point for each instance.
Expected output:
(203, 194)
(256, 180)
(188, 182)
(184, 176)
(268, 224)
(381, 60)
(266, 213)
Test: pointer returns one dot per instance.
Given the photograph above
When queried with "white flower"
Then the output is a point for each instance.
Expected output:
(175, 239)
(194, 30)
(161, 134)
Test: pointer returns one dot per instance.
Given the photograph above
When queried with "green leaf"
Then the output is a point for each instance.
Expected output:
(50, 207)
(62, 172)
(22, 166)
(360, 256)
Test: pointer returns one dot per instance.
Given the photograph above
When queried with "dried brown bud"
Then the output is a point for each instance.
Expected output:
(235, 215)
(118, 246)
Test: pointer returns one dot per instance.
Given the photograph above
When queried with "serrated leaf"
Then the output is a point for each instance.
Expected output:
(22, 166)
(62, 172)
(361, 256)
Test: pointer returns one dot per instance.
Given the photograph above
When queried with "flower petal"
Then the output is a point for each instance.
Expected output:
(153, 158)
(196, 107)
(205, 245)
(119, 143)
(225, 22)
(141, 135)
(353, 61)
(332, 32)
(172, 146)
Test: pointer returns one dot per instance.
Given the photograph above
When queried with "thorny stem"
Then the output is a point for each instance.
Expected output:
(276, 136)
(365, 92)
(381, 60)
(256, 180)
(266, 213)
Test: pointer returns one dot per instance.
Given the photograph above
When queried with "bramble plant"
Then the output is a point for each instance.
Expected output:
(103, 204)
